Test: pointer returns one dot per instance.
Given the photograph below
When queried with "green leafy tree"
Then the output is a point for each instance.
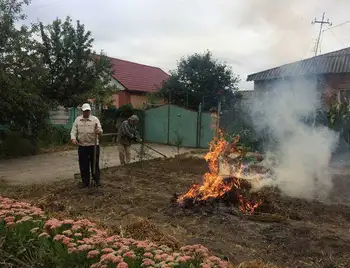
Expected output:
(21, 72)
(200, 78)
(75, 72)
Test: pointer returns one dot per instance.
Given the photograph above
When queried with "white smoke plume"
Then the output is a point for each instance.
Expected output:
(303, 151)
(288, 25)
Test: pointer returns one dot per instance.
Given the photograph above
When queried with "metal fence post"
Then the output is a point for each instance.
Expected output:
(169, 103)
(218, 120)
(199, 125)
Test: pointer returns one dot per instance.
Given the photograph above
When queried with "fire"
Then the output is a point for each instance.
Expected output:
(213, 185)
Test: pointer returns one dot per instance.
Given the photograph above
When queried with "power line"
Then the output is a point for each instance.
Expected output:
(337, 38)
(320, 32)
(335, 26)
(330, 29)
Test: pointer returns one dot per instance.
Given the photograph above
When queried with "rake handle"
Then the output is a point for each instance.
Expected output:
(154, 150)
(95, 153)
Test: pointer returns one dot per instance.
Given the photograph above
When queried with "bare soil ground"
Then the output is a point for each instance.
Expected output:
(135, 200)
(61, 165)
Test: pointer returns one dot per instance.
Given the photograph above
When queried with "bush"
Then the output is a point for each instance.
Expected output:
(108, 120)
(112, 118)
(52, 135)
(126, 110)
(14, 144)
(249, 140)
(238, 122)
(28, 237)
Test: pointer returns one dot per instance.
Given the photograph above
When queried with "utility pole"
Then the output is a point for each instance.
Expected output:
(320, 32)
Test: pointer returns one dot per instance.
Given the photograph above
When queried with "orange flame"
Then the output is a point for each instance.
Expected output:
(213, 185)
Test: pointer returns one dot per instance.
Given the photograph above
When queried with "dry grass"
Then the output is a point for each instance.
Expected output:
(135, 202)
(142, 229)
(255, 264)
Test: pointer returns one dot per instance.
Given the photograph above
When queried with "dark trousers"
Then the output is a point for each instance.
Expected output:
(86, 163)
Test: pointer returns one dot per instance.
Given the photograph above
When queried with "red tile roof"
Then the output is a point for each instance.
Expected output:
(138, 77)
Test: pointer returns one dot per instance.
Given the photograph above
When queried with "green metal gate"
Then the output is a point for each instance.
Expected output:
(175, 125)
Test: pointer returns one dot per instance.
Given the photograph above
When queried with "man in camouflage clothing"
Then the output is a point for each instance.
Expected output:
(126, 134)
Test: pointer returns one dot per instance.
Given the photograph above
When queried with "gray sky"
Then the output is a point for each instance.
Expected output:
(250, 35)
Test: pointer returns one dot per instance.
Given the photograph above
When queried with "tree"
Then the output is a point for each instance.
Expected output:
(75, 72)
(21, 71)
(35, 75)
(200, 78)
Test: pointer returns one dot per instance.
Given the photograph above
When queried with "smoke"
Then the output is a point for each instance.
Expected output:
(303, 150)
(288, 25)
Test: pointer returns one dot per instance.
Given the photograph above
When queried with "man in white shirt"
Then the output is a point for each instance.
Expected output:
(85, 131)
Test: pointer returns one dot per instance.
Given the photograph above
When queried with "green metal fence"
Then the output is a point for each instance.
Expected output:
(182, 127)
(207, 132)
(167, 124)
(174, 125)
(156, 127)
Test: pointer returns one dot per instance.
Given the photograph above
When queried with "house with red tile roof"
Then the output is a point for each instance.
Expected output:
(135, 81)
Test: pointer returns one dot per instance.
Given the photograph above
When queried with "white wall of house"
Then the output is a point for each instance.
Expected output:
(114, 82)
(60, 116)
(119, 86)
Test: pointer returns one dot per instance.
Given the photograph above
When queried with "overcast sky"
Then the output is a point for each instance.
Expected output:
(250, 35)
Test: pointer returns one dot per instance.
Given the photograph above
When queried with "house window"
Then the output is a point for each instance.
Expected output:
(344, 95)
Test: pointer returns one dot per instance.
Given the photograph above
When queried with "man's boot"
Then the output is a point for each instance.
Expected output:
(83, 185)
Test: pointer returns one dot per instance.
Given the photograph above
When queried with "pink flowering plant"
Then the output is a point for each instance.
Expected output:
(28, 236)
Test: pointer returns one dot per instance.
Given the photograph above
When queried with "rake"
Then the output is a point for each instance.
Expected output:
(152, 149)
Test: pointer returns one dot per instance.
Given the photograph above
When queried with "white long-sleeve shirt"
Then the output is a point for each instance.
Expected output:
(83, 130)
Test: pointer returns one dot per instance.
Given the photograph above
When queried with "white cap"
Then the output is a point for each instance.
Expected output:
(86, 107)
(134, 118)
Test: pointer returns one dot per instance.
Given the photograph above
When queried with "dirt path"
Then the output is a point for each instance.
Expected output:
(62, 165)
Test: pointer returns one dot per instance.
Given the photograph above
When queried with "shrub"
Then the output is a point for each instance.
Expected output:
(52, 135)
(28, 237)
(17, 144)
(142, 153)
(112, 118)
(14, 144)
(126, 110)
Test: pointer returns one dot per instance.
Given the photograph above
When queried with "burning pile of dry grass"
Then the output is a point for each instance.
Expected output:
(224, 182)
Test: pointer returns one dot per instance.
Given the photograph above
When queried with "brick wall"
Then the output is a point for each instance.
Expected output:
(121, 98)
(338, 81)
(332, 81)
(329, 86)
(336, 87)
(138, 100)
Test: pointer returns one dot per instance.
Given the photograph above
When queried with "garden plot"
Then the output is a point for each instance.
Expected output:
(137, 200)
